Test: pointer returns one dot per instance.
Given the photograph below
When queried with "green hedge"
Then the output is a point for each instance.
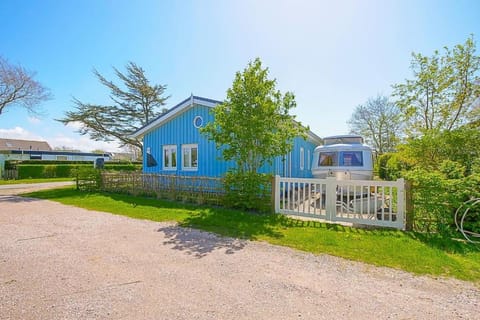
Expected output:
(49, 162)
(391, 166)
(436, 195)
(32, 171)
(248, 191)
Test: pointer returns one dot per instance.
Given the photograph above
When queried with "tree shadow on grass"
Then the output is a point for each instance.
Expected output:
(451, 243)
(234, 223)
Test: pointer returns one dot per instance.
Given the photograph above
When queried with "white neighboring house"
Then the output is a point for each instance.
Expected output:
(14, 149)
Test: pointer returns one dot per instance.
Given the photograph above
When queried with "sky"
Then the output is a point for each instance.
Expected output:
(333, 55)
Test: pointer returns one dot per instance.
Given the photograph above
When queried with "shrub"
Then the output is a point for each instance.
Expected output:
(248, 190)
(437, 195)
(87, 178)
(452, 170)
(396, 167)
(382, 165)
(123, 167)
(29, 171)
(392, 166)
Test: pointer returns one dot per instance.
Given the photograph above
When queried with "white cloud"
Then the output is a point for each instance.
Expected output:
(34, 120)
(76, 125)
(82, 143)
(19, 133)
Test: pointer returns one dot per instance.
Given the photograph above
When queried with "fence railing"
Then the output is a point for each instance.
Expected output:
(173, 187)
(379, 203)
(10, 174)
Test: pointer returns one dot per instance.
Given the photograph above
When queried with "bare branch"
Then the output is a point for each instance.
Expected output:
(18, 87)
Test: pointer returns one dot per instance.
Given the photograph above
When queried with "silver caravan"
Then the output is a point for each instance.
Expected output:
(345, 157)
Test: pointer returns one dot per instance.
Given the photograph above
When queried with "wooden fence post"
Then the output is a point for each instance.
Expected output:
(273, 193)
(409, 216)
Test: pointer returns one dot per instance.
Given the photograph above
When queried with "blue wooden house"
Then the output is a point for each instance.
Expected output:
(173, 144)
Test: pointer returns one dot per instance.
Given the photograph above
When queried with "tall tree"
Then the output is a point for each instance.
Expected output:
(134, 105)
(253, 124)
(379, 122)
(18, 87)
(442, 94)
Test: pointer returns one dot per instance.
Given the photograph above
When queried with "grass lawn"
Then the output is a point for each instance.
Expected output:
(416, 253)
(20, 181)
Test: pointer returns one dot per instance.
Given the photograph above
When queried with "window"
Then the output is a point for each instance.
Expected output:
(62, 158)
(351, 158)
(198, 122)
(328, 159)
(309, 165)
(190, 157)
(170, 157)
(302, 158)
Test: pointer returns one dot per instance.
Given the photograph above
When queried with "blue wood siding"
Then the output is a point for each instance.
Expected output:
(181, 131)
(289, 164)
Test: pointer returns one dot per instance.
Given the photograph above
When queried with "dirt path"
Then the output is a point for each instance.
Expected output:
(13, 189)
(61, 262)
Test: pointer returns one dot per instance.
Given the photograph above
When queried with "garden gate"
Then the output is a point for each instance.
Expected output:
(367, 202)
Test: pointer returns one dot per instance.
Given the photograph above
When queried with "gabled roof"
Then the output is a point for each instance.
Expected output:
(171, 113)
(16, 144)
(184, 106)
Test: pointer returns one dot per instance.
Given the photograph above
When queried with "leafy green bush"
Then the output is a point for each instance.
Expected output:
(432, 148)
(87, 178)
(14, 162)
(381, 165)
(391, 166)
(248, 191)
(32, 171)
(64, 170)
(452, 170)
(396, 167)
(438, 194)
(123, 167)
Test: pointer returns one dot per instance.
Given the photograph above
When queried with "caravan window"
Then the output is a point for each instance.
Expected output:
(328, 159)
(351, 158)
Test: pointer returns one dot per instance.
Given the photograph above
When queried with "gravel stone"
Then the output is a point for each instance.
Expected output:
(62, 262)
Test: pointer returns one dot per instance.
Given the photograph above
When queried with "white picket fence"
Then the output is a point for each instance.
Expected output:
(379, 203)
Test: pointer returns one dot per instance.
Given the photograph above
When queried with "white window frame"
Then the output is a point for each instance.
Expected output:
(302, 158)
(189, 147)
(309, 159)
(198, 118)
(170, 149)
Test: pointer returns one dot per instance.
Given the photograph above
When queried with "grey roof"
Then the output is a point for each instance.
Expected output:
(16, 144)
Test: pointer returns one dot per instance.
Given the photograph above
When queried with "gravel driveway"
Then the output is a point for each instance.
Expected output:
(62, 262)
(13, 189)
